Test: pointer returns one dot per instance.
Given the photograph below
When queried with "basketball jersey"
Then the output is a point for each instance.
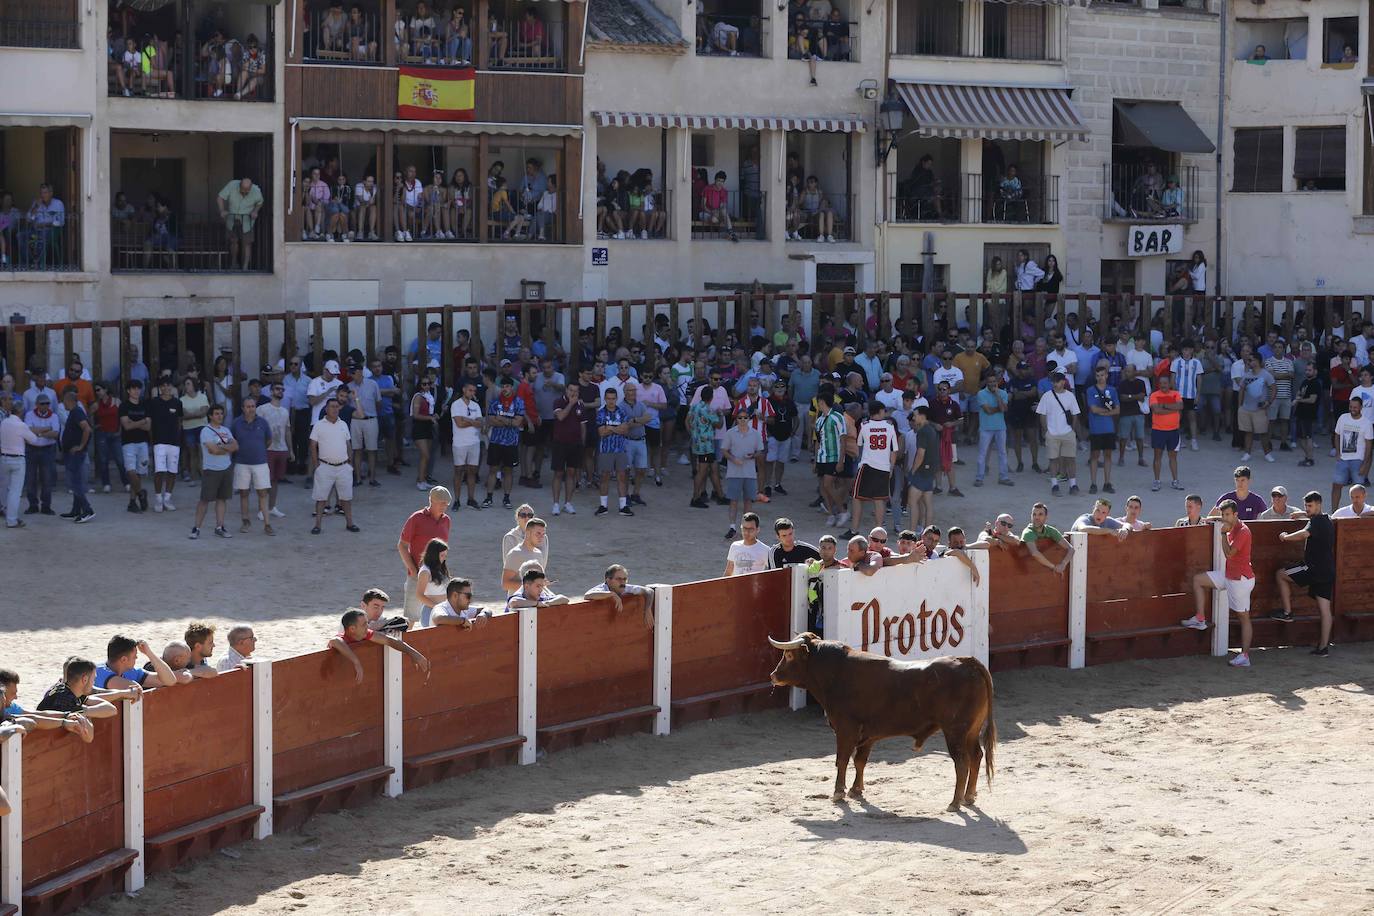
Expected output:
(878, 440)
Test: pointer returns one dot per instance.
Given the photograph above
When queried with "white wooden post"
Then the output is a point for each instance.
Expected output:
(12, 851)
(978, 604)
(663, 658)
(1078, 599)
(529, 661)
(133, 793)
(262, 745)
(801, 608)
(1221, 608)
(393, 723)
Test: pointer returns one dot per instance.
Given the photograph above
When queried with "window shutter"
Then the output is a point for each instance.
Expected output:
(1319, 153)
(1258, 159)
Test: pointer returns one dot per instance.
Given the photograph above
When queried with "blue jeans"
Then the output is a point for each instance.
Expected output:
(107, 448)
(41, 469)
(11, 487)
(996, 437)
(459, 49)
(76, 480)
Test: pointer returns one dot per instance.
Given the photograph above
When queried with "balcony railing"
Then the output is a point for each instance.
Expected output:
(40, 24)
(190, 71)
(26, 244)
(197, 244)
(522, 44)
(335, 39)
(526, 222)
(832, 219)
(974, 199)
(740, 218)
(645, 217)
(732, 36)
(936, 28)
(1133, 194)
(823, 39)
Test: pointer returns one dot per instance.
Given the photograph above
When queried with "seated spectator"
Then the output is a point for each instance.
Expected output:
(616, 586)
(457, 40)
(434, 223)
(424, 34)
(242, 642)
(400, 35)
(333, 33)
(356, 631)
(316, 202)
(252, 68)
(805, 41)
(715, 206)
(500, 40)
(1171, 199)
(837, 36)
(339, 210)
(121, 666)
(374, 606)
(12, 713)
(365, 218)
(1011, 193)
(530, 548)
(77, 693)
(546, 210)
(200, 638)
(458, 610)
(530, 35)
(156, 65)
(816, 211)
(129, 68)
(362, 42)
(534, 591)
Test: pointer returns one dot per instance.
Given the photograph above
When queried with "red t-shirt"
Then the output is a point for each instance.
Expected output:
(348, 640)
(1238, 564)
(420, 529)
(107, 417)
(525, 392)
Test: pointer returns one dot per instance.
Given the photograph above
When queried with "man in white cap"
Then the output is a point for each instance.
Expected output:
(1279, 508)
(321, 388)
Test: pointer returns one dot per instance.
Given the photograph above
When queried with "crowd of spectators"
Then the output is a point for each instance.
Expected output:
(34, 238)
(629, 206)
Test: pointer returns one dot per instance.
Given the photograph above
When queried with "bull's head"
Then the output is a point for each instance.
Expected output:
(794, 668)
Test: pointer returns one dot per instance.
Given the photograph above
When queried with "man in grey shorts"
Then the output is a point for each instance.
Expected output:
(637, 418)
(611, 427)
(363, 425)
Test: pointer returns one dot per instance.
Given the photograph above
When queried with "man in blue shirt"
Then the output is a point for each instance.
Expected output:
(121, 668)
(611, 425)
(505, 419)
(992, 403)
(434, 349)
(1103, 407)
(253, 434)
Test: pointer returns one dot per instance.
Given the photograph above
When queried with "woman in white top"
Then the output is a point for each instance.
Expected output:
(222, 387)
(365, 208)
(1197, 272)
(432, 579)
(516, 536)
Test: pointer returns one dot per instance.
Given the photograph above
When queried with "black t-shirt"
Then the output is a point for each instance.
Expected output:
(1309, 387)
(134, 412)
(71, 430)
(784, 422)
(60, 698)
(166, 416)
(1319, 550)
(801, 552)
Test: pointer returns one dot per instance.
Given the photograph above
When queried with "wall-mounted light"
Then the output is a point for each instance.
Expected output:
(891, 114)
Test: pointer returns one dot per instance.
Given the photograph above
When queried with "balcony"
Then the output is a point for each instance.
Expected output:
(740, 218)
(29, 244)
(944, 28)
(196, 244)
(154, 55)
(40, 24)
(731, 34)
(529, 43)
(335, 37)
(831, 220)
(972, 199)
(645, 217)
(1136, 193)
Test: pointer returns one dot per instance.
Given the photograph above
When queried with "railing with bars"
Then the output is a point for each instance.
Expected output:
(937, 28)
(334, 37)
(740, 218)
(732, 36)
(646, 217)
(196, 244)
(40, 24)
(41, 244)
(829, 218)
(238, 70)
(1135, 192)
(976, 198)
(528, 44)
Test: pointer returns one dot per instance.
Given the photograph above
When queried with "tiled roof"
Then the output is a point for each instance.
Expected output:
(632, 25)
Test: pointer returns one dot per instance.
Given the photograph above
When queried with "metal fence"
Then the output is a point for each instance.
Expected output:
(40, 24)
(188, 70)
(1134, 192)
(196, 244)
(740, 218)
(526, 44)
(331, 38)
(43, 245)
(831, 221)
(732, 36)
(646, 217)
(975, 198)
(937, 28)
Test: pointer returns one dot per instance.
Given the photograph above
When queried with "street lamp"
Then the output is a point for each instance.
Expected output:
(891, 114)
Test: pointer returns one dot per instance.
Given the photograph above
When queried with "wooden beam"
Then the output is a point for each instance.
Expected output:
(98, 356)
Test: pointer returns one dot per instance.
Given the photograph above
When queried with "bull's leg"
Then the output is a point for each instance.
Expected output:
(919, 739)
(844, 747)
(956, 753)
(973, 755)
(860, 760)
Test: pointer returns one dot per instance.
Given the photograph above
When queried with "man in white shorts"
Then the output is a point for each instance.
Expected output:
(165, 411)
(330, 448)
(467, 444)
(1237, 580)
(251, 472)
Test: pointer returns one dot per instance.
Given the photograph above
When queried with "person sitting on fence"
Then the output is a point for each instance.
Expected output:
(616, 586)
(252, 69)
(458, 610)
(715, 206)
(12, 713)
(316, 202)
(534, 591)
(242, 641)
(1237, 580)
(356, 630)
(121, 666)
(1100, 521)
(77, 692)
(816, 211)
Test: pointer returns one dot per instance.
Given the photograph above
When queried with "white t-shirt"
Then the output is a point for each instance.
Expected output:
(1066, 360)
(1141, 360)
(1349, 512)
(953, 375)
(1351, 436)
(749, 559)
(319, 386)
(466, 435)
(1056, 415)
(1364, 393)
(335, 441)
(278, 420)
(878, 444)
(892, 400)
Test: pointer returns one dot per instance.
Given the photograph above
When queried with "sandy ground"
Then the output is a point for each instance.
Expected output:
(72, 586)
(1177, 786)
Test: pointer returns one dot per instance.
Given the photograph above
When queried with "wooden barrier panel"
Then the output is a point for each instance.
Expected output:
(197, 768)
(595, 671)
(1354, 607)
(1028, 609)
(1138, 591)
(73, 799)
(1268, 555)
(721, 656)
(470, 701)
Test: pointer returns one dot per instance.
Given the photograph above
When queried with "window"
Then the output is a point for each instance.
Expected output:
(1262, 40)
(1340, 40)
(930, 27)
(1118, 277)
(1014, 31)
(40, 24)
(913, 278)
(1319, 159)
(731, 28)
(1257, 155)
(703, 151)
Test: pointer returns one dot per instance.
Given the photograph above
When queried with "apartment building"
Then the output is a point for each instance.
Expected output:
(1298, 213)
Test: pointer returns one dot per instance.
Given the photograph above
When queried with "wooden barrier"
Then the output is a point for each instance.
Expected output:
(466, 716)
(721, 658)
(1354, 605)
(197, 769)
(73, 816)
(327, 747)
(1138, 591)
(595, 672)
(1028, 609)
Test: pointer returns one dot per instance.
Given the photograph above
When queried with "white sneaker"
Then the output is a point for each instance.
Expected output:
(400, 236)
(352, 235)
(555, 508)
(1269, 457)
(157, 502)
(1245, 457)
(618, 235)
(277, 513)
(126, 488)
(644, 234)
(372, 237)
(422, 487)
(830, 521)
(329, 238)
(842, 519)
(1333, 453)
(1193, 623)
(260, 518)
(683, 460)
(105, 489)
(167, 503)
(568, 508)
(409, 237)
(1240, 661)
(830, 239)
(345, 240)
(1193, 444)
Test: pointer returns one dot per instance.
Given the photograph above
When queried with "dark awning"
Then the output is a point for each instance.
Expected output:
(1161, 125)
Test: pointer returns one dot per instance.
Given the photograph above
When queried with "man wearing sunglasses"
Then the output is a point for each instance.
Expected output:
(295, 385)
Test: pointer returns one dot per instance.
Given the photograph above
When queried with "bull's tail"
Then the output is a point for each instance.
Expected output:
(989, 736)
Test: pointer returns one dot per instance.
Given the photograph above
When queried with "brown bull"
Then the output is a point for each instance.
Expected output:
(867, 697)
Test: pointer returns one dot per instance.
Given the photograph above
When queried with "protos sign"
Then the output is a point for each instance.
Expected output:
(1146, 241)
(930, 630)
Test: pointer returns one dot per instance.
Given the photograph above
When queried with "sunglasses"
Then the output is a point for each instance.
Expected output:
(877, 540)
(465, 594)
(525, 515)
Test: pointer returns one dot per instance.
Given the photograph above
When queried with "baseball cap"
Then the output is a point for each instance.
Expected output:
(332, 366)
(1279, 491)
(1056, 375)
(268, 369)
(849, 350)
(1023, 365)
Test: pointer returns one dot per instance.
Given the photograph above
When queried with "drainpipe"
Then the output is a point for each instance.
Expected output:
(1221, 140)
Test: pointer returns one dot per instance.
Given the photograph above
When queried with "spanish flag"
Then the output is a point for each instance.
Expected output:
(436, 94)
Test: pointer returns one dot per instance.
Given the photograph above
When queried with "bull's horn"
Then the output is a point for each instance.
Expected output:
(790, 644)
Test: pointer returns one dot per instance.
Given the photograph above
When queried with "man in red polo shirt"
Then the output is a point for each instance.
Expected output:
(423, 526)
(1237, 580)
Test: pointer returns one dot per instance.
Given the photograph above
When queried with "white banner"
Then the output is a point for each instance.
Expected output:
(909, 612)
(1146, 241)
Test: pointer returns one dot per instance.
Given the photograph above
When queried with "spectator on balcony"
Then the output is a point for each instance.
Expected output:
(252, 69)
(121, 214)
(1171, 199)
(1260, 54)
(457, 41)
(424, 34)
(725, 38)
(129, 67)
(1051, 279)
(212, 62)
(499, 40)
(996, 279)
(316, 201)
(546, 211)
(1012, 194)
(805, 43)
(435, 211)
(836, 32)
(240, 202)
(503, 214)
(530, 41)
(532, 185)
(155, 64)
(1146, 191)
(460, 203)
(927, 190)
(1028, 273)
(792, 230)
(410, 200)
(42, 240)
(362, 43)
(334, 27)
(1348, 55)
(614, 218)
(400, 35)
(715, 206)
(816, 210)
(364, 218)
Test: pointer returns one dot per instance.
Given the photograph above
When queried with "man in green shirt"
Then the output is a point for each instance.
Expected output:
(830, 427)
(1039, 530)
(239, 203)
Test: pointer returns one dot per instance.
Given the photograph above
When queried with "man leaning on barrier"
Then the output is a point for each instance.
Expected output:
(617, 585)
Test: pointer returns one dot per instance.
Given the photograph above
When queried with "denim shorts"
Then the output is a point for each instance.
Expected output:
(1131, 427)
(741, 488)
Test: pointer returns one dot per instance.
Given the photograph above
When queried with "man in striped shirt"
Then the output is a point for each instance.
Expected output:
(830, 428)
(1280, 366)
(1187, 370)
(611, 425)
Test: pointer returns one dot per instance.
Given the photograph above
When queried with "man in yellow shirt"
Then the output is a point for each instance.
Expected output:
(973, 364)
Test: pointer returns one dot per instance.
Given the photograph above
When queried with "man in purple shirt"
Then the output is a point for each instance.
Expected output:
(1248, 505)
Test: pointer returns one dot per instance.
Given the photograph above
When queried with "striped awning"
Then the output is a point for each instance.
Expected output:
(852, 124)
(992, 112)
